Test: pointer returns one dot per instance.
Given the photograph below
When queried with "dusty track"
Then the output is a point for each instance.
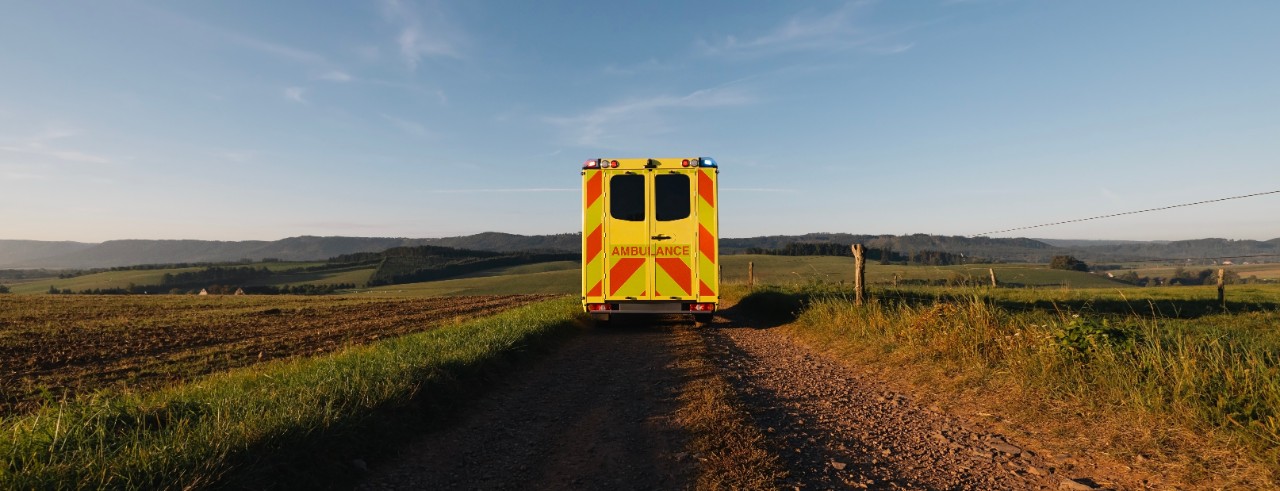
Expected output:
(77, 344)
(834, 427)
(597, 414)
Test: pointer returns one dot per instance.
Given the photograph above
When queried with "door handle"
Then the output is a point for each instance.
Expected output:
(660, 237)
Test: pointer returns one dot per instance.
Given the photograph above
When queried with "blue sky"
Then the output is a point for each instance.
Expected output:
(239, 120)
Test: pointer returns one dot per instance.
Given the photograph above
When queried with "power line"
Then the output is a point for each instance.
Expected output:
(1127, 213)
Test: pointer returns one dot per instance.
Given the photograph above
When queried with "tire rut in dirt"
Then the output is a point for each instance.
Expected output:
(836, 428)
(595, 414)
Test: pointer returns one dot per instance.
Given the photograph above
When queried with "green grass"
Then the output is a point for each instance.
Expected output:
(122, 279)
(797, 270)
(1262, 271)
(106, 279)
(1133, 360)
(565, 281)
(286, 424)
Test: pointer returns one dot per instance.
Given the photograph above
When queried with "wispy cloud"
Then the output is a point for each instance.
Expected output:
(760, 190)
(647, 66)
(336, 76)
(410, 127)
(295, 94)
(254, 43)
(42, 146)
(424, 30)
(835, 30)
(600, 126)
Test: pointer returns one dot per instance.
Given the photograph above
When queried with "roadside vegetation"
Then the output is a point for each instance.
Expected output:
(1162, 378)
(730, 450)
(297, 423)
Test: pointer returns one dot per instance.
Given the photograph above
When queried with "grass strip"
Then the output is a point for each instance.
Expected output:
(294, 424)
(1141, 386)
(729, 449)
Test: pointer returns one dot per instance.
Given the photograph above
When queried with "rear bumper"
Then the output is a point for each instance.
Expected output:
(654, 307)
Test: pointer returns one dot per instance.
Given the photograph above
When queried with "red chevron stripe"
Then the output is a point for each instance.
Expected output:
(706, 290)
(595, 186)
(706, 243)
(595, 290)
(678, 271)
(595, 243)
(622, 271)
(706, 188)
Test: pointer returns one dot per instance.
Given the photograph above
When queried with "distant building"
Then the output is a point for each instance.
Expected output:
(239, 291)
(204, 291)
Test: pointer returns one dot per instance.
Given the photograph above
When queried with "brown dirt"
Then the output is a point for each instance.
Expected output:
(68, 345)
(836, 427)
(596, 414)
(604, 412)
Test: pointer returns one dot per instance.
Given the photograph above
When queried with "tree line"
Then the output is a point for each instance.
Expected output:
(923, 257)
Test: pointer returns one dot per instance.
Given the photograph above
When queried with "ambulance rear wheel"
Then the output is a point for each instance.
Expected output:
(702, 319)
(601, 320)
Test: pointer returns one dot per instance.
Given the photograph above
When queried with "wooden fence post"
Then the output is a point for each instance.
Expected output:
(895, 280)
(860, 267)
(1222, 289)
(994, 284)
(751, 274)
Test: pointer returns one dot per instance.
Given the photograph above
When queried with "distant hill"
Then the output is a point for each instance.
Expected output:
(73, 255)
(19, 251)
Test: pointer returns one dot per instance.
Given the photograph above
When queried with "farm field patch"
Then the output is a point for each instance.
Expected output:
(794, 270)
(51, 345)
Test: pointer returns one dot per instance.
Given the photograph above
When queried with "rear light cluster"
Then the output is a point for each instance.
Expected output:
(601, 307)
(599, 164)
(606, 163)
(702, 307)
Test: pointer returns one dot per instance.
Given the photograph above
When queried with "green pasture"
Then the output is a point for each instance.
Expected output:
(794, 270)
(1262, 271)
(122, 279)
(563, 281)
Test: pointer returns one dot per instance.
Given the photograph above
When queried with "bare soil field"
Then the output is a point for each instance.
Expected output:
(55, 346)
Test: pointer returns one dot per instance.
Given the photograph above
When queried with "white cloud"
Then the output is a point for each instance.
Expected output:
(295, 94)
(601, 126)
(809, 31)
(336, 76)
(410, 127)
(424, 31)
(188, 25)
(40, 146)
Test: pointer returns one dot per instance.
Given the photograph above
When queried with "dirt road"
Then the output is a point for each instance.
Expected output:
(598, 414)
(837, 428)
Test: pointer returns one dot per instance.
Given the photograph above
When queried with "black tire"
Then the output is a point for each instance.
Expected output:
(702, 319)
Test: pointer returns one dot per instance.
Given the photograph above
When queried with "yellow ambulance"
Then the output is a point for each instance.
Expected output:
(649, 237)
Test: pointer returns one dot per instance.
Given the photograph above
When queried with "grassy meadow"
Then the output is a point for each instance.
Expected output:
(122, 279)
(1161, 377)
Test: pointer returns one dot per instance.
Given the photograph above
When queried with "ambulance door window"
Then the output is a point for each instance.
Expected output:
(671, 197)
(626, 197)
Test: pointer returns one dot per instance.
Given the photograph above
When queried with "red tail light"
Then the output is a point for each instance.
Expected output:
(613, 164)
(703, 307)
(684, 163)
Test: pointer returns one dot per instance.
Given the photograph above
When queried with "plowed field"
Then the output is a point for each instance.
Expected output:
(52, 346)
